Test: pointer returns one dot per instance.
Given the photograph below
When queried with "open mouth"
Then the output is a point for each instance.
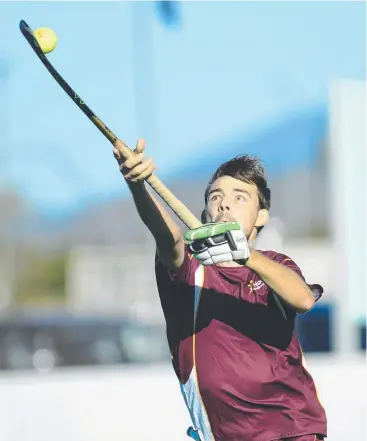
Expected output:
(225, 218)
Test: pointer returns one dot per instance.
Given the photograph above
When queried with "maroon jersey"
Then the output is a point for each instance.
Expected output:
(235, 353)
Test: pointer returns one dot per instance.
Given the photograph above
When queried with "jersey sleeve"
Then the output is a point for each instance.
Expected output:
(317, 290)
(183, 274)
(175, 287)
(286, 310)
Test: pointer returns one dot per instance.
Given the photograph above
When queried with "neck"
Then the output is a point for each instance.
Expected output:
(231, 264)
(252, 237)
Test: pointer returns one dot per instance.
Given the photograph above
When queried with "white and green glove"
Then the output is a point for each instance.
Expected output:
(218, 242)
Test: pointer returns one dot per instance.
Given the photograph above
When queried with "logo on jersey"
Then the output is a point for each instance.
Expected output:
(255, 286)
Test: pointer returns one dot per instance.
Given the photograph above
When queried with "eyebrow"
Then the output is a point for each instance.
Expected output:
(238, 190)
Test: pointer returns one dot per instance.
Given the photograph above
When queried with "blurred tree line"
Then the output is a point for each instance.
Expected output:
(29, 275)
(41, 280)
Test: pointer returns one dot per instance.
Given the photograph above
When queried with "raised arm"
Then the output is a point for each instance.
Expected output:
(283, 281)
(166, 232)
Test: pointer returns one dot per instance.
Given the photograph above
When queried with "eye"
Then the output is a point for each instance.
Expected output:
(214, 198)
(241, 198)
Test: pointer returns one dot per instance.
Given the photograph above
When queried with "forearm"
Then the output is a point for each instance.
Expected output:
(283, 281)
(164, 229)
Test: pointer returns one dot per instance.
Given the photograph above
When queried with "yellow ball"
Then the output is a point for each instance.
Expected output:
(46, 38)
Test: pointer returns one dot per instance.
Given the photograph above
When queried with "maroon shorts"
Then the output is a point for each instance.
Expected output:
(311, 437)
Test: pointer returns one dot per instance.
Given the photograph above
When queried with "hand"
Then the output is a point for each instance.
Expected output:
(218, 242)
(136, 168)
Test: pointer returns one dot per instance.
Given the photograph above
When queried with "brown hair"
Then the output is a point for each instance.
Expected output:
(246, 169)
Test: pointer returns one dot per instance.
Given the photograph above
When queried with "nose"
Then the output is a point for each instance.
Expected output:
(224, 205)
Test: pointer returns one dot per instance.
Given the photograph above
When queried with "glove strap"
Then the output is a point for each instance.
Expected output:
(238, 256)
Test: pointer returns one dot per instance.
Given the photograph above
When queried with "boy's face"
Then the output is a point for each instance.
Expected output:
(230, 199)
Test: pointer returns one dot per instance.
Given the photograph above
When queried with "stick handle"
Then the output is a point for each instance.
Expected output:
(157, 185)
(169, 198)
(176, 205)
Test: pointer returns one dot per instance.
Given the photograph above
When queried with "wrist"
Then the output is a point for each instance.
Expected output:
(250, 258)
(135, 186)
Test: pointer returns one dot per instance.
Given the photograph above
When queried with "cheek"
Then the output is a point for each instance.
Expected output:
(246, 216)
(211, 210)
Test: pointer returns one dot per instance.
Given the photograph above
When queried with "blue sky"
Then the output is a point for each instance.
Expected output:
(230, 67)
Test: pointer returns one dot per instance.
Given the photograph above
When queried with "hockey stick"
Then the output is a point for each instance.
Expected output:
(175, 204)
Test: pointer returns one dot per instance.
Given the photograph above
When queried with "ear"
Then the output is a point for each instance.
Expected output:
(204, 217)
(262, 218)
